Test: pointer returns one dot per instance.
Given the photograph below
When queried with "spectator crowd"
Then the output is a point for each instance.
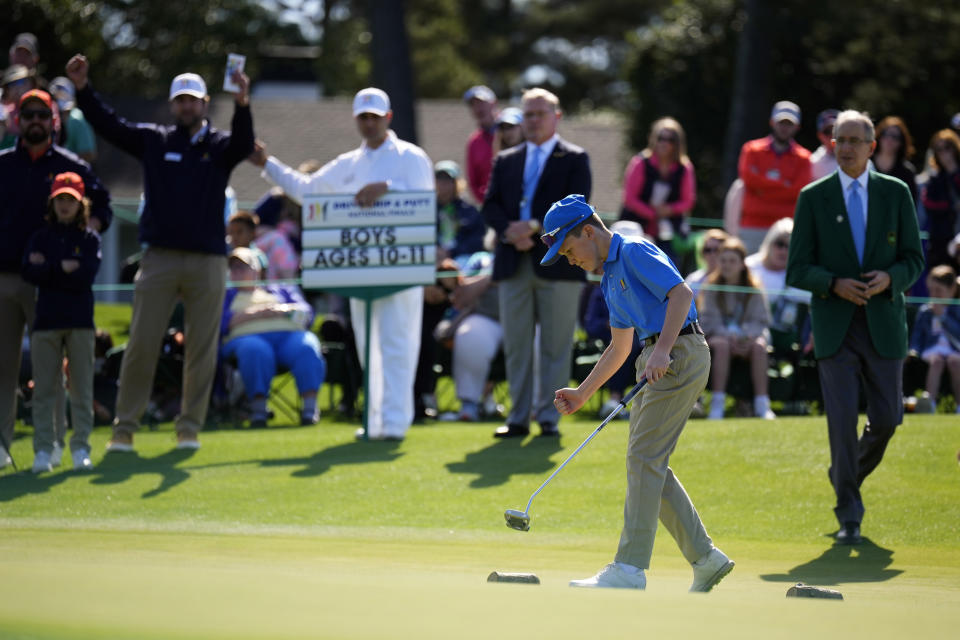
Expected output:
(496, 312)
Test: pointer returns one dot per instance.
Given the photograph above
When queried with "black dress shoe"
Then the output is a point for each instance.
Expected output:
(549, 429)
(849, 533)
(511, 431)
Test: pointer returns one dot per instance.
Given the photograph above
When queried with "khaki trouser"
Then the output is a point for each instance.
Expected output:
(165, 276)
(17, 305)
(657, 418)
(46, 355)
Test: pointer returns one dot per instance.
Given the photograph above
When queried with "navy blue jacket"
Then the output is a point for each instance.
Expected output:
(567, 171)
(183, 183)
(64, 300)
(25, 190)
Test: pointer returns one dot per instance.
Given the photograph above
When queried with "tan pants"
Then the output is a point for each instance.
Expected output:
(46, 354)
(657, 418)
(165, 276)
(17, 305)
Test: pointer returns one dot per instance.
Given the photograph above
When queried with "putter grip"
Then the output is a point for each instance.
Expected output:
(633, 392)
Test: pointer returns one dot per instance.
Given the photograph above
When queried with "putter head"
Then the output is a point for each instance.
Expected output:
(519, 520)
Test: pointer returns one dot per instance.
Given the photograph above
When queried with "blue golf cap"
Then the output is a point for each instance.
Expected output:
(563, 215)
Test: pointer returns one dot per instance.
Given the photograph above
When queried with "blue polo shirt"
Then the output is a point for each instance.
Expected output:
(636, 279)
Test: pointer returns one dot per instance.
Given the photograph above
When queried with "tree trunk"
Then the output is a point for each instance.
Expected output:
(392, 68)
(750, 103)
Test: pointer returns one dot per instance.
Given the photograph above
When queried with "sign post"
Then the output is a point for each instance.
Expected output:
(369, 252)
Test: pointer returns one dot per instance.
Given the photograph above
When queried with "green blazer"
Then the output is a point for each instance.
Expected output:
(821, 248)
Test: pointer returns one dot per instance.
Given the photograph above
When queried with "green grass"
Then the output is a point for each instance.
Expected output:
(303, 532)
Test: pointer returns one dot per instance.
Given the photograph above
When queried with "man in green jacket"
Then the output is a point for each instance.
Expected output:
(856, 247)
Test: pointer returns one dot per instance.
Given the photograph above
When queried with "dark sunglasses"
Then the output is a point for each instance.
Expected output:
(708, 250)
(550, 239)
(781, 244)
(670, 139)
(892, 133)
(40, 114)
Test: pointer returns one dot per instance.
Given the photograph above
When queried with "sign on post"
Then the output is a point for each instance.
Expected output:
(392, 243)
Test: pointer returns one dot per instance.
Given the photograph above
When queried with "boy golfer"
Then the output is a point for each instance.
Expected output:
(646, 293)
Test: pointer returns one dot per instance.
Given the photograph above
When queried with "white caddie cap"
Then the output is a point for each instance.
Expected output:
(189, 84)
(371, 100)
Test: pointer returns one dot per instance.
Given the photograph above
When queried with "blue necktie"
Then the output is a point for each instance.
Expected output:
(530, 175)
(857, 223)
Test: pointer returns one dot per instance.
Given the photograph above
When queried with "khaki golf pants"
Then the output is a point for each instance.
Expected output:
(657, 418)
(165, 276)
(17, 302)
(46, 352)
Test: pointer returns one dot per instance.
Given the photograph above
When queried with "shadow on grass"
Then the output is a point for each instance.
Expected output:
(115, 468)
(496, 464)
(348, 453)
(864, 562)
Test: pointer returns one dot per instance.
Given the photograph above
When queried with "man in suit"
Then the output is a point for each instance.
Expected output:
(524, 182)
(856, 247)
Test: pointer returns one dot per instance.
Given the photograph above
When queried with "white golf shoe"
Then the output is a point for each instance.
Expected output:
(41, 462)
(613, 577)
(81, 460)
(709, 570)
(56, 458)
(5, 458)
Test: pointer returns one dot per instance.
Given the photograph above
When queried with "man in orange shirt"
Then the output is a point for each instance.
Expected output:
(773, 170)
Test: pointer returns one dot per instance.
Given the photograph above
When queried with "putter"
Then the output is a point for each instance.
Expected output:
(6, 447)
(520, 520)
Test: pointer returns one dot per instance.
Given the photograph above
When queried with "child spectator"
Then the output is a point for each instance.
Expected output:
(936, 333)
(241, 232)
(62, 260)
(713, 239)
(736, 324)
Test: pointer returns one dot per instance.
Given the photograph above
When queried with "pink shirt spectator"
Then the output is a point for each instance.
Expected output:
(634, 182)
(282, 259)
(479, 162)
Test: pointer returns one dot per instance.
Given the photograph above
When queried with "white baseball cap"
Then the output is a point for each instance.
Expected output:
(189, 84)
(371, 100)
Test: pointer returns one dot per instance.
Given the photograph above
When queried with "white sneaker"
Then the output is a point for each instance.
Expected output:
(613, 577)
(5, 458)
(709, 570)
(81, 460)
(56, 458)
(761, 408)
(41, 462)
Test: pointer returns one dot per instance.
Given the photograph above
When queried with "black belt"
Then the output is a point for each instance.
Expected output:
(693, 327)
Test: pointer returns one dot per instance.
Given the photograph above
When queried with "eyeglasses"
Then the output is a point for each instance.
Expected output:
(827, 131)
(851, 141)
(550, 239)
(670, 139)
(893, 134)
(40, 114)
(781, 244)
(708, 250)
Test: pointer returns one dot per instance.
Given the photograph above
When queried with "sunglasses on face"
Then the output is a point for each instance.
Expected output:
(709, 250)
(39, 114)
(550, 239)
(670, 139)
(893, 134)
(781, 244)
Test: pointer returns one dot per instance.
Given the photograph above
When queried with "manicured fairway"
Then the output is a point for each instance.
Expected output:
(302, 532)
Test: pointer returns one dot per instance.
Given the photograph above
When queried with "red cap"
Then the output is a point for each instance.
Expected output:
(37, 94)
(68, 182)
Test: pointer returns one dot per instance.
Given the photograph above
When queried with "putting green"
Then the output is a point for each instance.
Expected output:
(246, 538)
